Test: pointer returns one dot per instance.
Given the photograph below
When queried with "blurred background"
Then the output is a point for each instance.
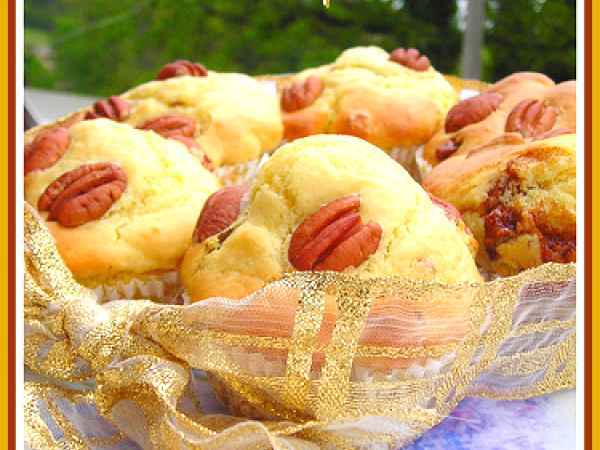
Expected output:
(101, 47)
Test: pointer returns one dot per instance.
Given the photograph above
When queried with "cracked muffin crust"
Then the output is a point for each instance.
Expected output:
(518, 198)
(394, 103)
(121, 204)
(524, 105)
(326, 202)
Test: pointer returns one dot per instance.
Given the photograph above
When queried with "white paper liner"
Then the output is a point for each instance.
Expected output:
(405, 156)
(423, 165)
(164, 288)
(259, 365)
(468, 93)
(242, 173)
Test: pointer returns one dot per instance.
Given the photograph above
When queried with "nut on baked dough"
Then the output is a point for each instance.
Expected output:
(301, 94)
(472, 110)
(531, 118)
(181, 67)
(525, 106)
(121, 203)
(329, 202)
(518, 197)
(411, 58)
(235, 118)
(334, 238)
(395, 101)
(114, 108)
(220, 210)
(46, 149)
(171, 125)
(83, 194)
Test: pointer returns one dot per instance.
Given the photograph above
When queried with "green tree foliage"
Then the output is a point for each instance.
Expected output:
(38, 13)
(105, 46)
(36, 74)
(533, 35)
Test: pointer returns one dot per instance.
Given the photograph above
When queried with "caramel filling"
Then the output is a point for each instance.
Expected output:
(557, 246)
(502, 222)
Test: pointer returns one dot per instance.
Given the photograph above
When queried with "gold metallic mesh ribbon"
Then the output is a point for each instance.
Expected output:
(380, 369)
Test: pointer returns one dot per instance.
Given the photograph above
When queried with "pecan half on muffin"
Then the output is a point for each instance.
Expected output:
(121, 203)
(518, 198)
(326, 202)
(395, 101)
(223, 118)
(525, 105)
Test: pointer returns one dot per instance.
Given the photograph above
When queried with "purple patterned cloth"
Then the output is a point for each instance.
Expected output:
(542, 423)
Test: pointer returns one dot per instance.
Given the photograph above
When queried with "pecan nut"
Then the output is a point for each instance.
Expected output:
(553, 133)
(301, 94)
(170, 126)
(46, 149)
(83, 194)
(73, 119)
(189, 142)
(220, 210)
(531, 118)
(472, 110)
(114, 108)
(208, 163)
(334, 238)
(447, 149)
(410, 58)
(180, 68)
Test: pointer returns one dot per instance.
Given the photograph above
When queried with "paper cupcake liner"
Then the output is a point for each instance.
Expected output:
(164, 288)
(258, 365)
(242, 173)
(237, 174)
(422, 165)
(234, 402)
(406, 157)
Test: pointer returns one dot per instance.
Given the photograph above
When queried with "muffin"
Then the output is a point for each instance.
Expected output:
(229, 117)
(526, 104)
(518, 197)
(426, 330)
(325, 202)
(120, 202)
(395, 101)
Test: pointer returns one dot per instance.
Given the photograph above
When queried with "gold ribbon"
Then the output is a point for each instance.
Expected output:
(134, 358)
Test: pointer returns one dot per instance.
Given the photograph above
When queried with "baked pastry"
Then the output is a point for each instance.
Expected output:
(120, 202)
(325, 202)
(528, 104)
(518, 198)
(230, 117)
(395, 101)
